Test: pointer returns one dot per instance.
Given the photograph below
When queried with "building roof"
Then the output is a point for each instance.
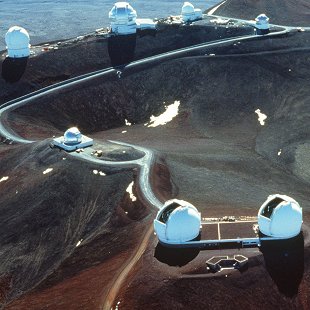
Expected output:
(280, 216)
(177, 222)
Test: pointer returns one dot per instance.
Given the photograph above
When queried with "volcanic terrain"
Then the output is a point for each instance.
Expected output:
(74, 237)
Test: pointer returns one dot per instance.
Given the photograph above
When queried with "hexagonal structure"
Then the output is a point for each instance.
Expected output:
(218, 263)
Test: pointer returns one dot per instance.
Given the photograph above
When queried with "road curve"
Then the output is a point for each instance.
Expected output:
(121, 277)
(144, 163)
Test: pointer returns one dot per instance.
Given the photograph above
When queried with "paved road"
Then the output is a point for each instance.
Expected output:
(144, 163)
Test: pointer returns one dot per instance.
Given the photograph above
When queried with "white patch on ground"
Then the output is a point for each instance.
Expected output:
(4, 179)
(280, 151)
(127, 123)
(99, 172)
(124, 131)
(129, 191)
(171, 112)
(116, 308)
(261, 117)
(48, 170)
(79, 243)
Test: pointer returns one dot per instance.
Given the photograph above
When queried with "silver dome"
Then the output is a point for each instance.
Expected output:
(72, 136)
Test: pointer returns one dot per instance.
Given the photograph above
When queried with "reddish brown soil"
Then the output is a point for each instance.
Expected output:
(219, 158)
(191, 285)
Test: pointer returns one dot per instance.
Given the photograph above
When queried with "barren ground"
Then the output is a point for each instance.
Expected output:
(214, 154)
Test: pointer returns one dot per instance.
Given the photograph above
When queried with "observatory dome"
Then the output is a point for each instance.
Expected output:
(188, 8)
(123, 18)
(177, 222)
(262, 22)
(122, 12)
(189, 13)
(72, 136)
(17, 42)
(280, 216)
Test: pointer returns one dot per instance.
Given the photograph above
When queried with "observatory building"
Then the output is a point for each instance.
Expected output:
(280, 216)
(17, 42)
(262, 24)
(123, 18)
(189, 13)
(177, 222)
(73, 140)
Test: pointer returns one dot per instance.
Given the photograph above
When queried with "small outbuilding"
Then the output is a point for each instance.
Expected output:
(262, 24)
(73, 140)
(177, 222)
(280, 216)
(189, 13)
(17, 42)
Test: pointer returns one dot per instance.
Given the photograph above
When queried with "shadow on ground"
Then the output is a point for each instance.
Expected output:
(13, 69)
(284, 262)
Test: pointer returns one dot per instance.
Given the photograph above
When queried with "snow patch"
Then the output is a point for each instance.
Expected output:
(129, 191)
(79, 243)
(48, 170)
(171, 112)
(261, 117)
(4, 179)
(127, 123)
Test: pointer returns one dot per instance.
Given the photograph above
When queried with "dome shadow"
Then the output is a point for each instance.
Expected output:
(13, 69)
(121, 49)
(284, 260)
(176, 256)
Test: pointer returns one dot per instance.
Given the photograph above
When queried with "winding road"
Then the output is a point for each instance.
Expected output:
(145, 163)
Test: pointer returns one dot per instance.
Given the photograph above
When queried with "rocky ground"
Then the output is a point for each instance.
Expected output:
(288, 12)
(219, 156)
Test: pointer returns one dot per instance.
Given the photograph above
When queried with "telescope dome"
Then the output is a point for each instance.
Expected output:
(280, 216)
(17, 42)
(122, 11)
(262, 22)
(189, 13)
(188, 8)
(123, 19)
(72, 136)
(177, 222)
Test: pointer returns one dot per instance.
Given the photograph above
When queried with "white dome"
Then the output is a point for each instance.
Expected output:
(122, 11)
(17, 41)
(188, 8)
(123, 19)
(72, 136)
(262, 21)
(177, 222)
(189, 13)
(280, 216)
